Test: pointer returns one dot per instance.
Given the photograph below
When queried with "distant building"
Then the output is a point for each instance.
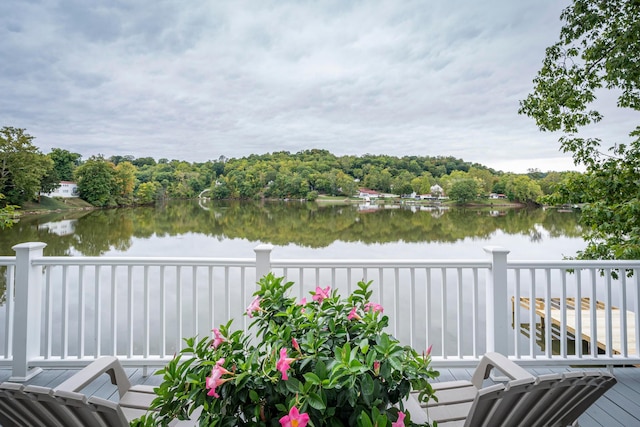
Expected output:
(366, 194)
(65, 189)
(497, 196)
(436, 190)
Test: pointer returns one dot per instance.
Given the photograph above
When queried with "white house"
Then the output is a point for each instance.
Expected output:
(436, 190)
(367, 194)
(65, 189)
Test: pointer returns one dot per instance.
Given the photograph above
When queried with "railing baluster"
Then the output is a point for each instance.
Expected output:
(516, 314)
(460, 310)
(179, 330)
(427, 304)
(623, 314)
(114, 312)
(563, 314)
(533, 329)
(97, 308)
(636, 287)
(547, 313)
(608, 314)
(396, 301)
(594, 317)
(81, 312)
(195, 299)
(412, 307)
(130, 312)
(9, 292)
(578, 274)
(474, 313)
(65, 314)
(443, 304)
(48, 315)
(147, 325)
(163, 311)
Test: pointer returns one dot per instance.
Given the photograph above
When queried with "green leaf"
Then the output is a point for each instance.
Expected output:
(312, 378)
(316, 402)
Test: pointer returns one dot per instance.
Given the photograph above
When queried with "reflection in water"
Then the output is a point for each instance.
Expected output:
(280, 223)
(308, 225)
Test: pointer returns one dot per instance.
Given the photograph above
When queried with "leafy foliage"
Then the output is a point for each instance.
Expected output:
(8, 214)
(598, 50)
(97, 181)
(463, 190)
(329, 357)
(22, 166)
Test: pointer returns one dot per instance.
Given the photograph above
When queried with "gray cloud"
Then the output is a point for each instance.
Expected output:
(198, 80)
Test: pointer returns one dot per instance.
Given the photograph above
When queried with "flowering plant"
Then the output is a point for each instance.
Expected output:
(326, 362)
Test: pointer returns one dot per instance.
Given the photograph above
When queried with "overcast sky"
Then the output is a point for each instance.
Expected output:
(194, 80)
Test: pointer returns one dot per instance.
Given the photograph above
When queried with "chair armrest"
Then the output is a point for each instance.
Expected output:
(105, 365)
(503, 364)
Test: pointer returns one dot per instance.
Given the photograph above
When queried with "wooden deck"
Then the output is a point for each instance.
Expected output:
(619, 407)
(583, 316)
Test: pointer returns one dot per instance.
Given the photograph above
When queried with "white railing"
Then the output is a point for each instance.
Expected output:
(66, 311)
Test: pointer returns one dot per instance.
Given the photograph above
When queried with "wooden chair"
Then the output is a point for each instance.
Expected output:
(554, 400)
(65, 406)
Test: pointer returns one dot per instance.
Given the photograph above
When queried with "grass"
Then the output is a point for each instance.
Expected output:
(493, 202)
(55, 204)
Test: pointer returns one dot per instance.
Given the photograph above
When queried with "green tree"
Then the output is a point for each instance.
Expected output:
(147, 192)
(8, 214)
(22, 166)
(125, 181)
(463, 190)
(97, 181)
(523, 189)
(64, 163)
(598, 49)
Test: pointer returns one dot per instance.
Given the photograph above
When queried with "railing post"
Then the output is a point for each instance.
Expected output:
(263, 260)
(497, 313)
(28, 310)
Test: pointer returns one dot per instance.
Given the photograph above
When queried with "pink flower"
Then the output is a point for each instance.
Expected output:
(217, 338)
(370, 306)
(376, 367)
(254, 306)
(353, 315)
(294, 419)
(321, 294)
(295, 345)
(400, 422)
(215, 379)
(284, 363)
(303, 301)
(429, 350)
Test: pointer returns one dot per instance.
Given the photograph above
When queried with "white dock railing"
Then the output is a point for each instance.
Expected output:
(67, 311)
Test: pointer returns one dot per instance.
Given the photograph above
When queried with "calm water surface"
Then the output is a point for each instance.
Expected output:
(299, 230)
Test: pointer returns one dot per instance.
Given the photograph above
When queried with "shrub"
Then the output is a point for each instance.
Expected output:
(326, 362)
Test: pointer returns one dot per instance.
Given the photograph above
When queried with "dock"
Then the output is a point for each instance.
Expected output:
(584, 314)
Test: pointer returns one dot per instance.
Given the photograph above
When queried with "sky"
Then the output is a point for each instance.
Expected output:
(196, 80)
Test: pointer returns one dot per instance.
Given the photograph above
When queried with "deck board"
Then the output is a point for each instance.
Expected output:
(620, 406)
(579, 318)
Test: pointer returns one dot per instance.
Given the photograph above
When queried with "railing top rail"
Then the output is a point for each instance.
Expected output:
(145, 261)
(380, 263)
(7, 260)
(573, 264)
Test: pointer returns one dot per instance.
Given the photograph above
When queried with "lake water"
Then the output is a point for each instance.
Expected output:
(297, 230)
(300, 230)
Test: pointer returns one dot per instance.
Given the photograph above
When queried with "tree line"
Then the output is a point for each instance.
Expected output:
(25, 173)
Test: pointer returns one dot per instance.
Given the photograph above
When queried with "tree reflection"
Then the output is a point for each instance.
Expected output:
(280, 223)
